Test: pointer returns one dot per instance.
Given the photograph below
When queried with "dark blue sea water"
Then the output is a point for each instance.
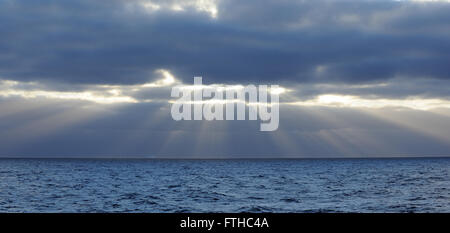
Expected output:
(323, 185)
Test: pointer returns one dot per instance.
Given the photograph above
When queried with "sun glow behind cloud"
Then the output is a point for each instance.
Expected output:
(207, 6)
(346, 141)
(100, 94)
(85, 95)
(128, 94)
(349, 101)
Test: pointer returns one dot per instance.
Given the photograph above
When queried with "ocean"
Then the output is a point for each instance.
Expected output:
(272, 185)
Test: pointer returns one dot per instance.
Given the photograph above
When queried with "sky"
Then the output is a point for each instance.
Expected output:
(92, 78)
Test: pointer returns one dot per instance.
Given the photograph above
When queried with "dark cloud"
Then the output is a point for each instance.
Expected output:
(249, 41)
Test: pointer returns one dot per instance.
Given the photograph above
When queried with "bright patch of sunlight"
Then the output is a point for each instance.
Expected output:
(360, 102)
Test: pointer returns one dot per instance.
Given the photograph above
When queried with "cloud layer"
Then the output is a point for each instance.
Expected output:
(93, 78)
(123, 42)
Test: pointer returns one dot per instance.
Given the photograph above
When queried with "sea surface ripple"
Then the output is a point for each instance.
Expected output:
(320, 185)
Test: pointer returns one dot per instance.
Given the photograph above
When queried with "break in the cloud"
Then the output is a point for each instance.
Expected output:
(93, 78)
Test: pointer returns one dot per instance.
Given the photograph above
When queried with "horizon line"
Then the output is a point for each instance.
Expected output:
(225, 158)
